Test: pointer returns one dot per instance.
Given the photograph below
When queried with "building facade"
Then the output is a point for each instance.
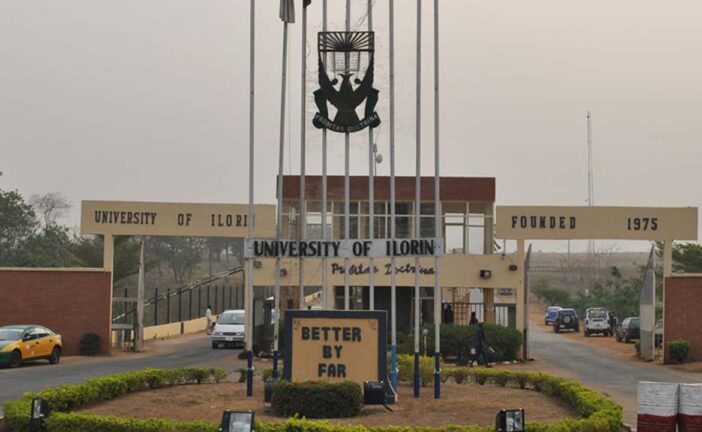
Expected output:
(473, 277)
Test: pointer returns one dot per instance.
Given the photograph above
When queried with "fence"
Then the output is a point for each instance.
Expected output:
(166, 306)
(505, 313)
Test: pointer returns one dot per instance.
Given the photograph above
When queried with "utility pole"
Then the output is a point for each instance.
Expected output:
(590, 200)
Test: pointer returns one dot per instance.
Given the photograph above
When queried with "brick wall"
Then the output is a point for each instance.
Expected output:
(477, 189)
(683, 312)
(68, 302)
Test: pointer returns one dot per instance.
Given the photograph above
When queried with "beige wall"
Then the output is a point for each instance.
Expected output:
(175, 219)
(606, 223)
(459, 271)
(173, 329)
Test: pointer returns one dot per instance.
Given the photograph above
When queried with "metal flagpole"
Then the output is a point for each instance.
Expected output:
(371, 189)
(347, 193)
(250, 221)
(303, 152)
(325, 287)
(418, 197)
(437, 212)
(279, 216)
(393, 273)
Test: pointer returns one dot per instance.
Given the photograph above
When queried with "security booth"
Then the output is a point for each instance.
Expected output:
(474, 278)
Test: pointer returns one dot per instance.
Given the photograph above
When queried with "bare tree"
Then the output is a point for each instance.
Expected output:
(50, 207)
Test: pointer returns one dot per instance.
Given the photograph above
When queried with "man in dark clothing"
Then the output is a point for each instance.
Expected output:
(473, 319)
(481, 345)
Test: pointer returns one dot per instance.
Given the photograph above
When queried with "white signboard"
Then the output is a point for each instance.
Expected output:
(367, 248)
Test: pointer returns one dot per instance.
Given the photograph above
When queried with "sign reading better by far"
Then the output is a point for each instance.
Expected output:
(366, 248)
(174, 219)
(335, 346)
(605, 223)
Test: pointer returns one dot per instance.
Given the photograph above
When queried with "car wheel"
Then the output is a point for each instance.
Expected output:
(55, 355)
(577, 329)
(15, 359)
(215, 345)
(587, 333)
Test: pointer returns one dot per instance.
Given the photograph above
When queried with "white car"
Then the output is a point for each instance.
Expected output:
(597, 321)
(229, 329)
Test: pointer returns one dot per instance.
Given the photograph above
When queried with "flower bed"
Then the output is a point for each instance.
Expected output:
(599, 414)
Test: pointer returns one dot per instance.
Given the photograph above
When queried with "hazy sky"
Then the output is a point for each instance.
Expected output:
(148, 100)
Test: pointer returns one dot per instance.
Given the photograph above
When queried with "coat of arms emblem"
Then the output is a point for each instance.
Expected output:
(343, 54)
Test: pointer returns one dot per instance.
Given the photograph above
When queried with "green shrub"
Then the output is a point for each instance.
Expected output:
(70, 397)
(457, 341)
(267, 373)
(89, 344)
(679, 349)
(317, 399)
(405, 366)
(599, 414)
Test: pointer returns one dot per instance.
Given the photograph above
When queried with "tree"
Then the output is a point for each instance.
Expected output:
(182, 254)
(89, 253)
(17, 223)
(50, 247)
(687, 258)
(50, 207)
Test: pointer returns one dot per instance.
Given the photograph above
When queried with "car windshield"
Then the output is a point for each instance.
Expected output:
(597, 313)
(11, 334)
(567, 312)
(231, 318)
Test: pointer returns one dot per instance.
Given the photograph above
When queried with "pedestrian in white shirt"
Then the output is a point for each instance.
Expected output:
(208, 314)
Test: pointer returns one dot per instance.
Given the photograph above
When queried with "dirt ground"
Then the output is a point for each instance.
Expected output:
(460, 404)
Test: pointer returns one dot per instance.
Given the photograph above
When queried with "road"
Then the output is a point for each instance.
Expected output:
(191, 351)
(597, 369)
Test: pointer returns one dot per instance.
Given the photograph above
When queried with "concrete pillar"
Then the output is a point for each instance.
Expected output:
(489, 304)
(521, 292)
(108, 264)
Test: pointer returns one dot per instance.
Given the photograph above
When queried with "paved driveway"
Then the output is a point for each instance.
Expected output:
(193, 351)
(595, 368)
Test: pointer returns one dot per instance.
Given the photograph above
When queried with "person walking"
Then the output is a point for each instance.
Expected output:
(473, 319)
(481, 346)
(208, 315)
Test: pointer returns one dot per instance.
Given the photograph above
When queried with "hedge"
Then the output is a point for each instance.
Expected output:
(457, 340)
(317, 399)
(69, 397)
(599, 414)
(405, 366)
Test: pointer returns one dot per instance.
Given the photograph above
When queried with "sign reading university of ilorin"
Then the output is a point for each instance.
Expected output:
(357, 248)
(597, 223)
(174, 219)
(335, 346)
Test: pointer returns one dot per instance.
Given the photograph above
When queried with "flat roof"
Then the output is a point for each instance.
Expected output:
(475, 189)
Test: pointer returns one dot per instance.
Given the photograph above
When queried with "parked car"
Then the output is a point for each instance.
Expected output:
(628, 330)
(229, 329)
(659, 333)
(566, 319)
(21, 343)
(597, 320)
(550, 314)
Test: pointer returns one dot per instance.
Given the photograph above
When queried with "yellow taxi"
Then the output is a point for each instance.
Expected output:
(19, 343)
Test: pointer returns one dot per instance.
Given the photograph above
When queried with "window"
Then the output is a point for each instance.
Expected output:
(427, 224)
(403, 219)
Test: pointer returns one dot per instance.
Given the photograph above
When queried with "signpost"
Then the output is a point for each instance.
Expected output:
(335, 346)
